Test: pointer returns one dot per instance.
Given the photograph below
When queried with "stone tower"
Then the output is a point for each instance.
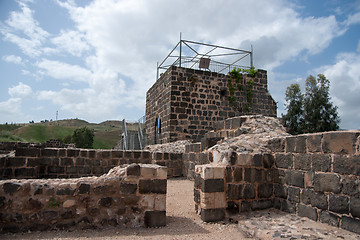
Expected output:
(183, 103)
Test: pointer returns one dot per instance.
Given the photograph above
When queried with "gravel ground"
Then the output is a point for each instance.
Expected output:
(183, 223)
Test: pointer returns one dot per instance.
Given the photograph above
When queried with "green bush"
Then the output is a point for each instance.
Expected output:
(83, 137)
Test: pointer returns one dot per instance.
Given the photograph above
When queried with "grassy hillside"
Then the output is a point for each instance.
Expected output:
(107, 133)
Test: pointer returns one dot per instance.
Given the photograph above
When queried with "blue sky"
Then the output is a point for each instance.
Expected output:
(95, 60)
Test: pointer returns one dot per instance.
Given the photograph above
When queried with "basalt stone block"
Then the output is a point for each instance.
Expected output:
(229, 174)
(302, 161)
(10, 188)
(253, 175)
(48, 152)
(84, 170)
(280, 191)
(306, 195)
(34, 204)
(65, 191)
(355, 207)
(238, 176)
(68, 214)
(128, 188)
(198, 181)
(268, 160)
(249, 191)
(15, 162)
(295, 178)
(56, 169)
(290, 144)
(313, 142)
(306, 211)
(27, 152)
(106, 201)
(339, 142)
(152, 186)
(196, 196)
(350, 224)
(347, 165)
(133, 170)
(277, 203)
(276, 144)
(350, 186)
(288, 206)
(212, 215)
(265, 190)
(25, 172)
(321, 162)
(283, 160)
(327, 182)
(329, 218)
(84, 188)
(294, 194)
(79, 161)
(339, 204)
(262, 204)
(212, 185)
(257, 158)
(155, 218)
(72, 152)
(234, 191)
(319, 200)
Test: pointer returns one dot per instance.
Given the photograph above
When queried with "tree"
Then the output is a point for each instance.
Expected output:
(83, 137)
(320, 114)
(313, 111)
(293, 120)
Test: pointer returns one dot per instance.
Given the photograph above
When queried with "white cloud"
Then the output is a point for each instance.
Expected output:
(358, 47)
(11, 110)
(64, 71)
(20, 91)
(353, 19)
(12, 59)
(23, 23)
(344, 78)
(72, 42)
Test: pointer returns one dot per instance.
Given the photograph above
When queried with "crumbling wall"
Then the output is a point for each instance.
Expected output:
(312, 175)
(245, 185)
(131, 196)
(36, 162)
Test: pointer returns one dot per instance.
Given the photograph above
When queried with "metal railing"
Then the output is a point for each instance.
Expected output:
(214, 58)
(133, 140)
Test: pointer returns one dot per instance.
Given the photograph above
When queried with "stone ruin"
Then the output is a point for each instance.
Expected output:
(245, 163)
(184, 103)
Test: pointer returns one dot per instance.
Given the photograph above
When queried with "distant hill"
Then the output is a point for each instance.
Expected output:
(107, 133)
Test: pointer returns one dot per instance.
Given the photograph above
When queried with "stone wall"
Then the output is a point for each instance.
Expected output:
(313, 175)
(246, 185)
(36, 162)
(131, 196)
(189, 101)
(318, 176)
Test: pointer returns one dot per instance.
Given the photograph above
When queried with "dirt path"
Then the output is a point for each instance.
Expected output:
(183, 223)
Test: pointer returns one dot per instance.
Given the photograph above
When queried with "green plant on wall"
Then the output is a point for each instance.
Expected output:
(252, 71)
(53, 203)
(249, 94)
(236, 74)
